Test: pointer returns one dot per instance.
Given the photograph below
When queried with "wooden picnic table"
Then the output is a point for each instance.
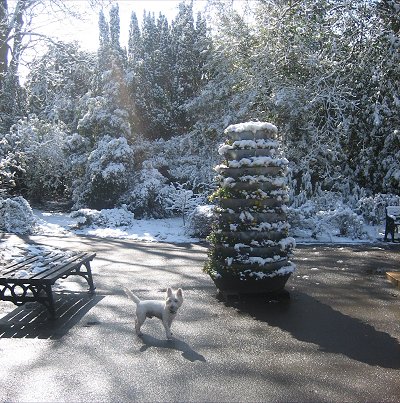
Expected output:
(20, 283)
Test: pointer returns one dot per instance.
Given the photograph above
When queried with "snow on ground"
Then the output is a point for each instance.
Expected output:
(152, 230)
(373, 234)
(169, 230)
(172, 230)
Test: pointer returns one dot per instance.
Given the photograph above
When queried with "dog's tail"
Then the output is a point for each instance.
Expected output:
(131, 295)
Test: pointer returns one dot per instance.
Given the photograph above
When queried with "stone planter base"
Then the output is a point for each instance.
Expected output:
(232, 285)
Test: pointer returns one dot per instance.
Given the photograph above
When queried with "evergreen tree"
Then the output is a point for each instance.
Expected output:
(57, 82)
(152, 81)
(118, 54)
(104, 43)
(183, 37)
(134, 42)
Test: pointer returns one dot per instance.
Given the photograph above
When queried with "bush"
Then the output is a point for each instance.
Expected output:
(181, 200)
(33, 159)
(200, 221)
(16, 216)
(146, 197)
(373, 208)
(104, 176)
(348, 223)
(310, 220)
(107, 218)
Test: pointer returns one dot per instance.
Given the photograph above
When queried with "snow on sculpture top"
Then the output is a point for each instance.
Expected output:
(252, 127)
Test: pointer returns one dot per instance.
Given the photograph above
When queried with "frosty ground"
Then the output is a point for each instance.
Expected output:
(172, 230)
(335, 340)
(167, 230)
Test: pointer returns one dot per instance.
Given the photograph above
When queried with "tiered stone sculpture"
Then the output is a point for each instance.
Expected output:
(250, 247)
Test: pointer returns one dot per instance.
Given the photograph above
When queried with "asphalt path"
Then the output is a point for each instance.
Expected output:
(336, 339)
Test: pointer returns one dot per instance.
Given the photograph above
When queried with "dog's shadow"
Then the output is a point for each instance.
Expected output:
(174, 344)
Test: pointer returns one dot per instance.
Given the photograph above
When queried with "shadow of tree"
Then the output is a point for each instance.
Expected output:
(312, 321)
(174, 344)
(31, 320)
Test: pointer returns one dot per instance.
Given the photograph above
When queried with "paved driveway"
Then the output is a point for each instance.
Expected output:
(337, 339)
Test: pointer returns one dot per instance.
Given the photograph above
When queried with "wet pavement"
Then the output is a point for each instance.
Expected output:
(337, 338)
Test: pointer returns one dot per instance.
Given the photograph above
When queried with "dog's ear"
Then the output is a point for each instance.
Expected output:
(179, 293)
(169, 292)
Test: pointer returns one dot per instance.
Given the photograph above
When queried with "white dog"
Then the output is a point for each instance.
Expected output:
(164, 310)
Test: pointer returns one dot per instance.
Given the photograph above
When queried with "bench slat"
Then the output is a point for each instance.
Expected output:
(13, 267)
(49, 274)
(59, 271)
(60, 265)
(14, 272)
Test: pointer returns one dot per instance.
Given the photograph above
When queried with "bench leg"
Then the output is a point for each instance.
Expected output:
(20, 294)
(89, 278)
(389, 229)
(87, 275)
(49, 302)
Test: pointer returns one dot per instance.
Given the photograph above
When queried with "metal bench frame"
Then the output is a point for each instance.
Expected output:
(37, 287)
(392, 221)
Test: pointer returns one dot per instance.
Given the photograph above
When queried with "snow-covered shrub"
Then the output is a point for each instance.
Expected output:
(200, 221)
(348, 223)
(16, 216)
(373, 208)
(34, 158)
(147, 193)
(182, 159)
(108, 218)
(181, 200)
(302, 219)
(107, 174)
(339, 220)
(101, 117)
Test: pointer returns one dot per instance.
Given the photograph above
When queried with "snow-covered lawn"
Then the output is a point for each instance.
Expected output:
(151, 230)
(169, 230)
(172, 230)
(120, 223)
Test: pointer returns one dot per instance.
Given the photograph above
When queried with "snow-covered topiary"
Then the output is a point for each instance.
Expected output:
(250, 247)
(16, 216)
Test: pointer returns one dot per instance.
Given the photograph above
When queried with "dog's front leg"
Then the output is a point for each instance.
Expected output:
(167, 326)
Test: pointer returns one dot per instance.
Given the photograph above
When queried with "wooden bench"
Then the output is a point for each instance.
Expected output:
(19, 283)
(392, 221)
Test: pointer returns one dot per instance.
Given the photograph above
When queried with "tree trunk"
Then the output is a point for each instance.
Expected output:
(3, 42)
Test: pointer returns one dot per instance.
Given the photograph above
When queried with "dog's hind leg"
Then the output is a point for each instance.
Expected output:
(140, 318)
